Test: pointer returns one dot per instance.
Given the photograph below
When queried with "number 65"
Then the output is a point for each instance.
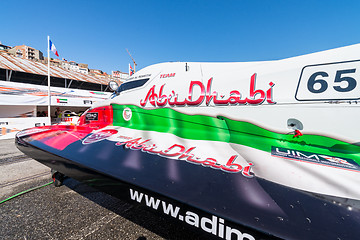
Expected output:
(351, 82)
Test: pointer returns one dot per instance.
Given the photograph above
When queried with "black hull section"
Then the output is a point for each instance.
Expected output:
(251, 205)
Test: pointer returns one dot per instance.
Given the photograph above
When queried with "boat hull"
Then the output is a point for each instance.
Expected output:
(253, 206)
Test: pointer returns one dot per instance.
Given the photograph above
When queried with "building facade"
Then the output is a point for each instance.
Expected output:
(4, 47)
(83, 68)
(65, 65)
(120, 75)
(26, 52)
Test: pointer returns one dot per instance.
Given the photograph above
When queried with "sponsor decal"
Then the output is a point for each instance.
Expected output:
(167, 75)
(99, 136)
(67, 119)
(61, 100)
(99, 93)
(213, 225)
(256, 97)
(180, 152)
(127, 114)
(88, 102)
(5, 131)
(139, 77)
(321, 159)
(92, 116)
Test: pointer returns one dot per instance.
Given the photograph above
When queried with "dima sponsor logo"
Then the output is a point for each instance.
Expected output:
(214, 225)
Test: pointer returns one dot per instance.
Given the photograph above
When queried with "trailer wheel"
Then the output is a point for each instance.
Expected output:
(58, 178)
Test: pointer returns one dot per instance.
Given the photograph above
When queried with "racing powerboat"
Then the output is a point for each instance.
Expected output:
(249, 150)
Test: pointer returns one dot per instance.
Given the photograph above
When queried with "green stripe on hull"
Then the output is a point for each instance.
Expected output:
(196, 127)
(254, 136)
(201, 127)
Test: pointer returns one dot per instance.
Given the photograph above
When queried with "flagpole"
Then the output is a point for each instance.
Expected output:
(49, 93)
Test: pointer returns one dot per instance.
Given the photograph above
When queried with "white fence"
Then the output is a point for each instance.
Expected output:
(10, 126)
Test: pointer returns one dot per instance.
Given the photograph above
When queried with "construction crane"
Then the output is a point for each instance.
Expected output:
(132, 59)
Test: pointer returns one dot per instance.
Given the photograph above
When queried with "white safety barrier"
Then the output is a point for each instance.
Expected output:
(10, 126)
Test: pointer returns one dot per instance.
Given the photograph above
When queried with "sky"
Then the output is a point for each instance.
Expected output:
(99, 32)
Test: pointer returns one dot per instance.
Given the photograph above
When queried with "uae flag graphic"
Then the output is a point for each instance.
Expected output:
(62, 100)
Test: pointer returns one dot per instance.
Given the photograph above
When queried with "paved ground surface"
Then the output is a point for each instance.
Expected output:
(72, 211)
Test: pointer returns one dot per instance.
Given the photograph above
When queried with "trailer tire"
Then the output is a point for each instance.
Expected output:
(58, 179)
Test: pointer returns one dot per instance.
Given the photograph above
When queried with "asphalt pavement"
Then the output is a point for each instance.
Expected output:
(72, 211)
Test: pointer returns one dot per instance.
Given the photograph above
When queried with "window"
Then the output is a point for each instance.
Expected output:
(130, 85)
